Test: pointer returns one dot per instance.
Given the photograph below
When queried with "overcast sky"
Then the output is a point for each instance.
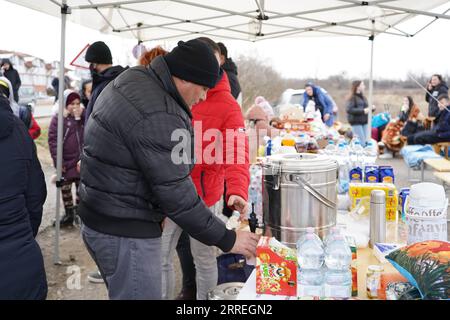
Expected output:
(38, 34)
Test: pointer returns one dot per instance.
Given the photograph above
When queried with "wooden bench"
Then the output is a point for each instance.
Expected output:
(438, 147)
(444, 177)
(438, 164)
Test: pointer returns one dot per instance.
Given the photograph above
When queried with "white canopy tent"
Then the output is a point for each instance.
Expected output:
(250, 20)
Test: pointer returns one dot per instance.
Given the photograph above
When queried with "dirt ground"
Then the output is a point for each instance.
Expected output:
(68, 280)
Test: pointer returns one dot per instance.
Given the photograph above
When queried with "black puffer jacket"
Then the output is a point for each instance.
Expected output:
(22, 195)
(433, 108)
(129, 182)
(355, 110)
(231, 69)
(99, 82)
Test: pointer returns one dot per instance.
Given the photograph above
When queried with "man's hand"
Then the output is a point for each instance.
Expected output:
(245, 244)
(78, 166)
(238, 204)
(326, 117)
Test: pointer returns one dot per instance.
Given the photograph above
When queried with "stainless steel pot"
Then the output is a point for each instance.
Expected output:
(299, 191)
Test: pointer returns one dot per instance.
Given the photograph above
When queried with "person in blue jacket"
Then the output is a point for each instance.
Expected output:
(440, 132)
(322, 101)
(22, 195)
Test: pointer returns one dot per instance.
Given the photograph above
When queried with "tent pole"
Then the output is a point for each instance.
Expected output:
(370, 102)
(61, 87)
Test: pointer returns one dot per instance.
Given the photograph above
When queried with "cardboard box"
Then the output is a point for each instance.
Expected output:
(357, 191)
(276, 268)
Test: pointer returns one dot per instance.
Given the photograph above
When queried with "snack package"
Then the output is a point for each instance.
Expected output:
(371, 174)
(276, 268)
(386, 174)
(358, 191)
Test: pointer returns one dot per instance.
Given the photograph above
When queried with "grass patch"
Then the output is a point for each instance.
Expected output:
(43, 138)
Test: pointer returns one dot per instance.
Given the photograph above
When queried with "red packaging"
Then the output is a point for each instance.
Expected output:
(276, 268)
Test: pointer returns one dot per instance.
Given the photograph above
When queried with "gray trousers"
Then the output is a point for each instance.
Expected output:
(204, 258)
(130, 267)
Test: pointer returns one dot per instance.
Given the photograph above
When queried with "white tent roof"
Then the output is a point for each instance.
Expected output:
(240, 19)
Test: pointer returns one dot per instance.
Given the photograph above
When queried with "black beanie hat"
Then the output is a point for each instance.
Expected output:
(98, 52)
(194, 61)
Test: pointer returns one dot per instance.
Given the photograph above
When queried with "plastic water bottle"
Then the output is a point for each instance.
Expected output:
(309, 231)
(338, 277)
(334, 231)
(356, 155)
(330, 149)
(353, 142)
(344, 172)
(310, 283)
(310, 255)
(370, 153)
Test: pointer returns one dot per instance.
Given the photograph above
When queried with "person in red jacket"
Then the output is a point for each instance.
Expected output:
(222, 155)
(35, 129)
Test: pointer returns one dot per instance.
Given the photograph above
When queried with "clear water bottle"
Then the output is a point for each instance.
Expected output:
(356, 155)
(370, 153)
(310, 283)
(334, 231)
(330, 149)
(302, 239)
(353, 141)
(310, 255)
(338, 277)
(337, 284)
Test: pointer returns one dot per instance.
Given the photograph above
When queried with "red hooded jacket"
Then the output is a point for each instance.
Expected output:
(221, 112)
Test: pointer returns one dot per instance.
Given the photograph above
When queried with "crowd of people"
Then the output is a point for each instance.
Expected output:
(141, 195)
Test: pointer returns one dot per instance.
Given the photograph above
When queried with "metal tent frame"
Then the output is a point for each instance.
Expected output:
(281, 18)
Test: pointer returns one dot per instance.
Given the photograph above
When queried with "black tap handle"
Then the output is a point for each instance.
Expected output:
(253, 220)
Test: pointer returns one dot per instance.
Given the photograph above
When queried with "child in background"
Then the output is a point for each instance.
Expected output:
(73, 128)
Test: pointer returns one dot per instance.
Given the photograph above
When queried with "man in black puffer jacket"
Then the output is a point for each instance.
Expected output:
(102, 71)
(132, 176)
(22, 195)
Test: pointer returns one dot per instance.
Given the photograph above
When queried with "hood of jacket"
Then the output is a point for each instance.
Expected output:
(107, 75)
(6, 118)
(12, 103)
(66, 94)
(230, 66)
(6, 60)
